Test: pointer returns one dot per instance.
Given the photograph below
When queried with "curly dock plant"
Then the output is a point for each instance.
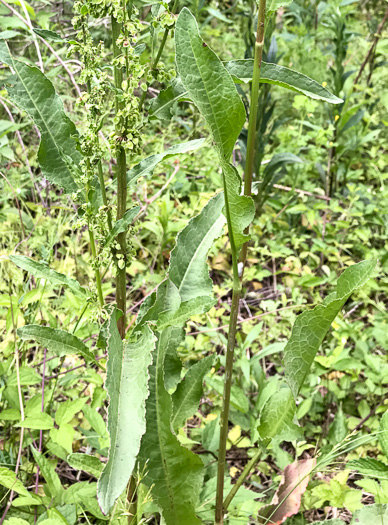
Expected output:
(149, 402)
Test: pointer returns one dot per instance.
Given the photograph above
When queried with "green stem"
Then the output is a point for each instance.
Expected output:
(237, 282)
(219, 518)
(103, 193)
(121, 176)
(248, 467)
(159, 53)
(251, 141)
(97, 271)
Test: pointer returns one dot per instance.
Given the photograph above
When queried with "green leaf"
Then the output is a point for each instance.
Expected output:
(32, 92)
(242, 70)
(188, 394)
(53, 487)
(95, 419)
(311, 327)
(212, 90)
(274, 5)
(160, 106)
(16, 521)
(68, 409)
(27, 376)
(40, 421)
(8, 480)
(10, 414)
(174, 474)
(371, 514)
(127, 386)
(63, 436)
(277, 415)
(52, 36)
(383, 433)
(122, 225)
(369, 467)
(146, 167)
(189, 270)
(209, 85)
(42, 271)
(87, 463)
(57, 341)
(197, 306)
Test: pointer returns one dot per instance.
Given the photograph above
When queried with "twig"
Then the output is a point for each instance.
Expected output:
(301, 192)
(370, 50)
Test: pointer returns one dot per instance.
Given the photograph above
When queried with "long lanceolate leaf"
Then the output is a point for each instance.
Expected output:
(127, 386)
(174, 472)
(57, 341)
(212, 90)
(42, 271)
(242, 71)
(188, 268)
(311, 327)
(32, 92)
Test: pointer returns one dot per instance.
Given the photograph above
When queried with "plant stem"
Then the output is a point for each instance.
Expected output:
(97, 271)
(121, 175)
(251, 141)
(248, 467)
(226, 405)
(237, 282)
(159, 53)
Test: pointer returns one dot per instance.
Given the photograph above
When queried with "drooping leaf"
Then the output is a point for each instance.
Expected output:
(371, 514)
(42, 271)
(188, 267)
(188, 394)
(57, 341)
(212, 90)
(311, 326)
(122, 225)
(54, 486)
(9, 480)
(147, 166)
(32, 92)
(383, 433)
(287, 499)
(242, 70)
(173, 472)
(87, 463)
(277, 417)
(127, 386)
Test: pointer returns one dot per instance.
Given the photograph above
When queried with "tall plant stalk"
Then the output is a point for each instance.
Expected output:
(121, 177)
(237, 282)
(253, 110)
